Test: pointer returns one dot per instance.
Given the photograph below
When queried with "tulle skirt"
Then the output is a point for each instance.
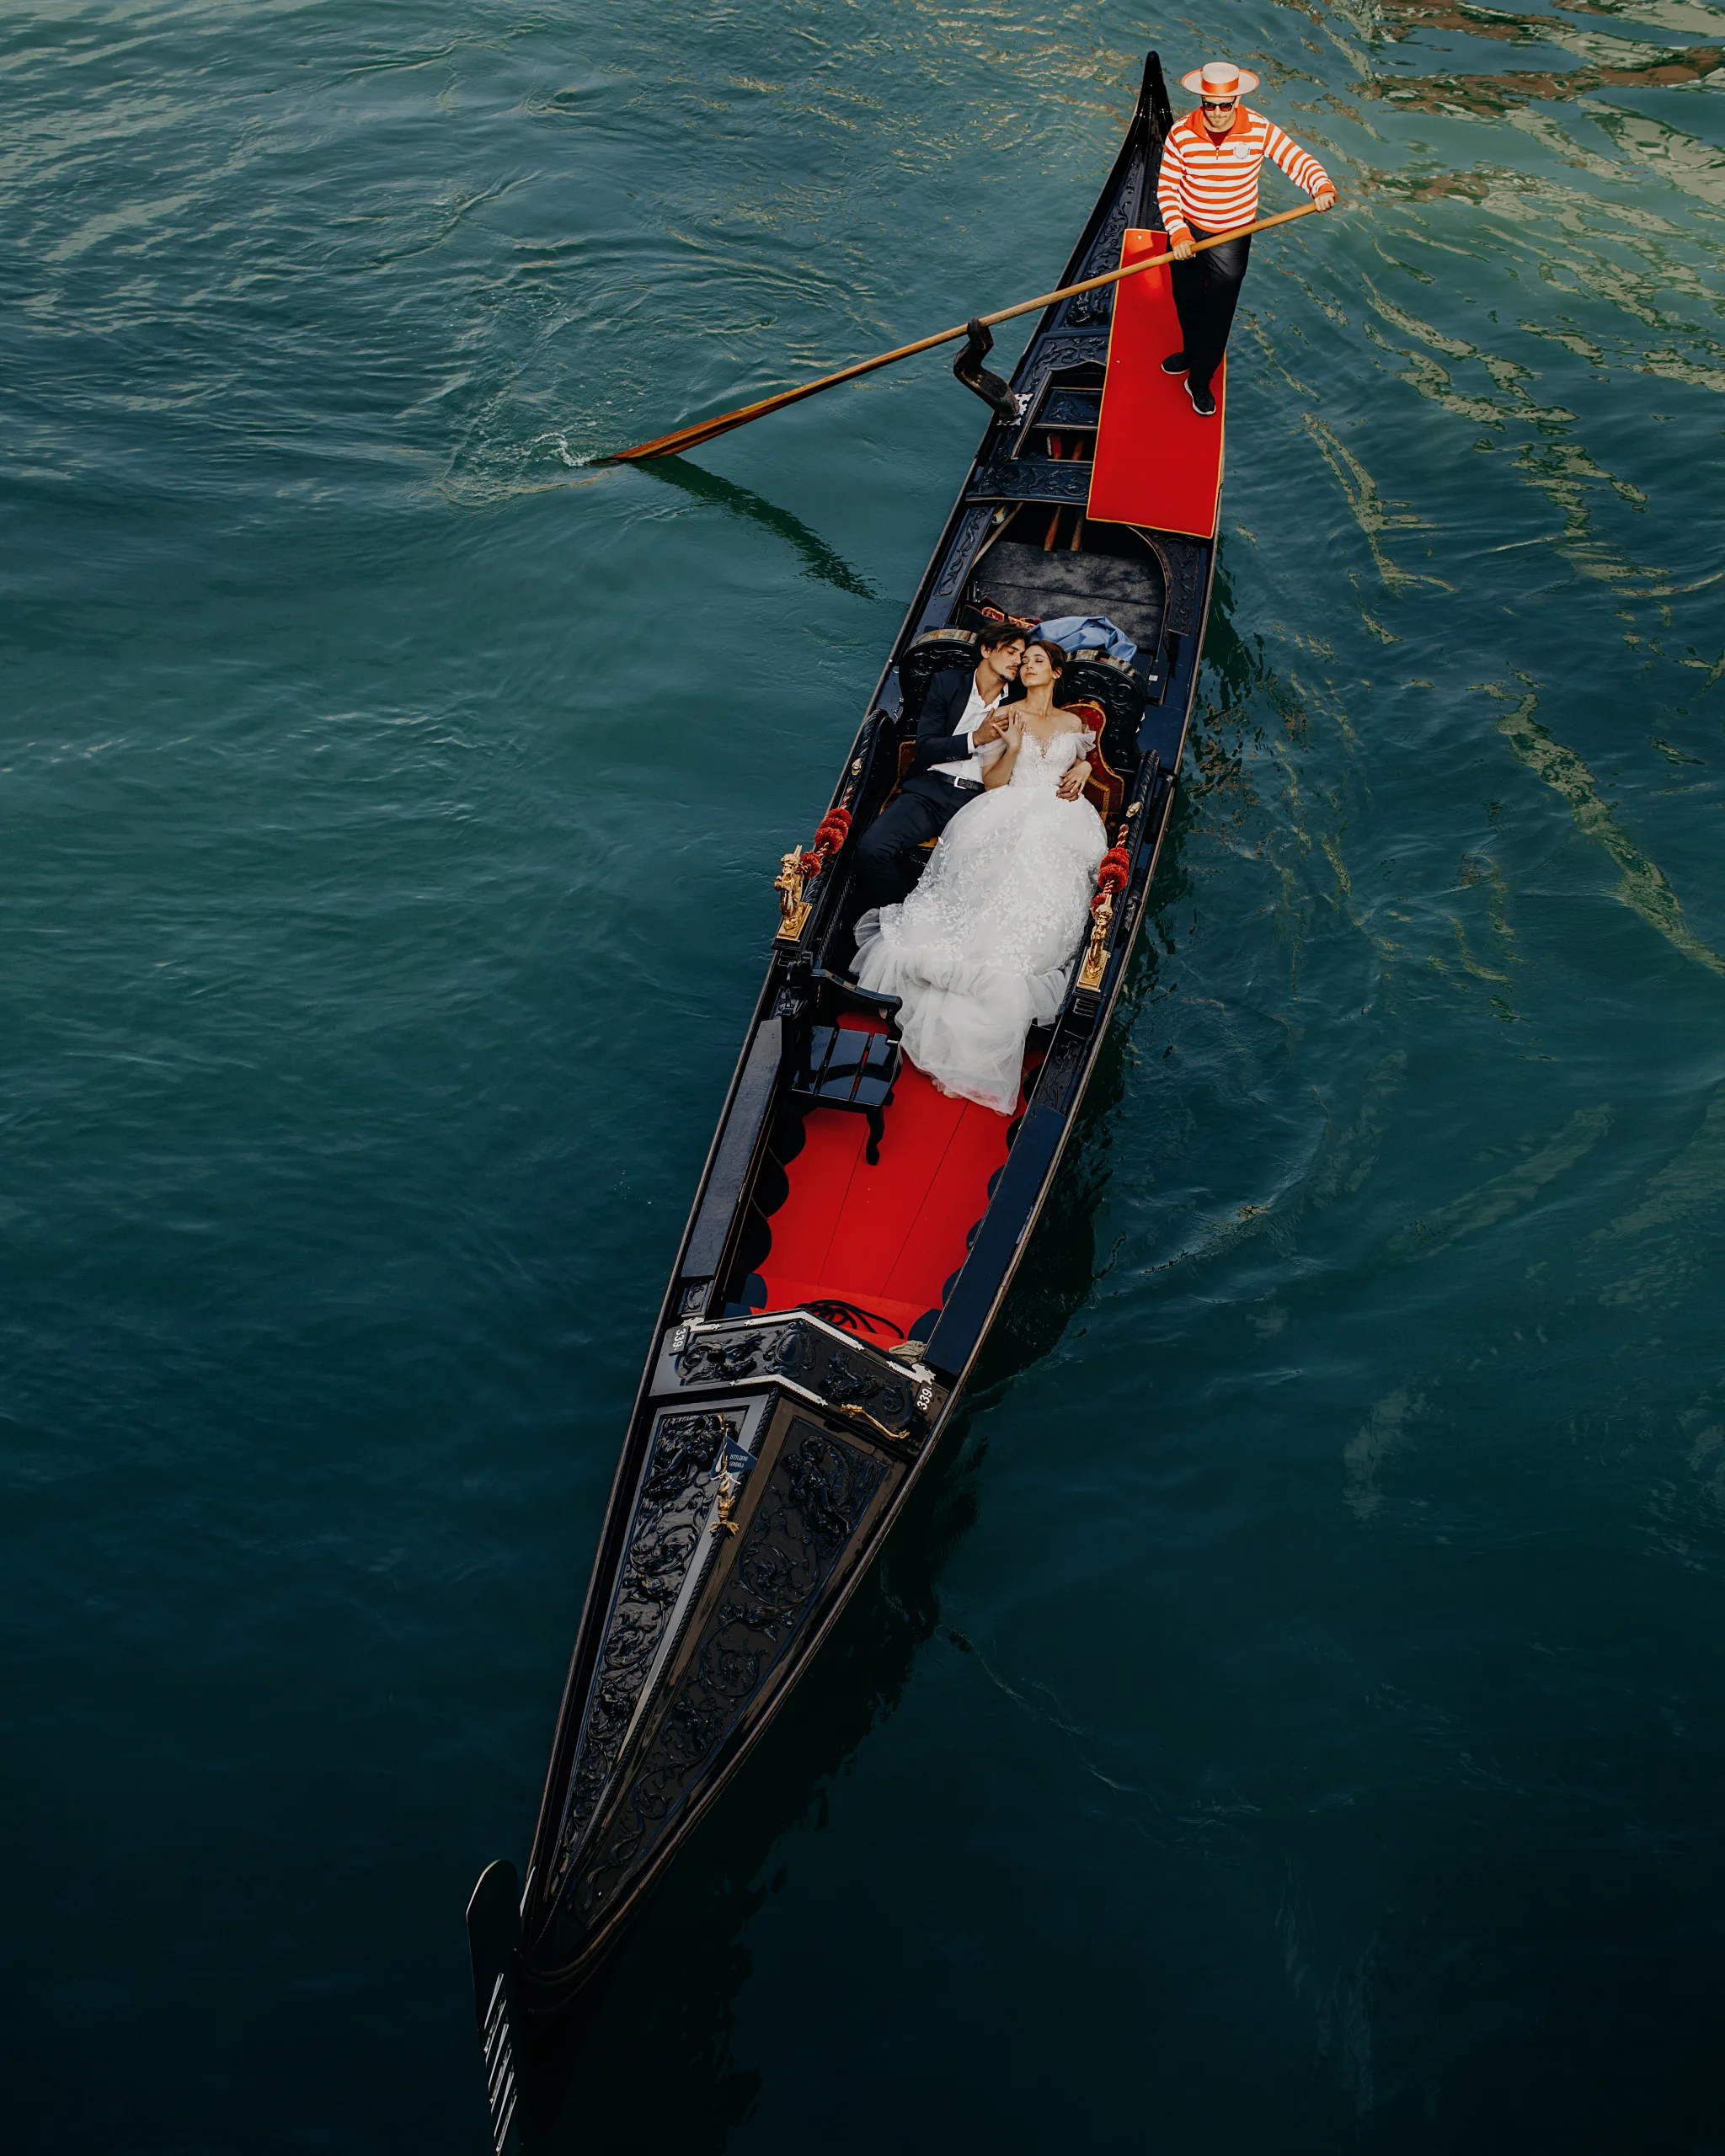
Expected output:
(984, 947)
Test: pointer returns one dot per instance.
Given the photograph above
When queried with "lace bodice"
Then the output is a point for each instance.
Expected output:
(1046, 767)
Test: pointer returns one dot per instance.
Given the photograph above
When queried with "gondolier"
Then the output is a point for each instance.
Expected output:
(1208, 185)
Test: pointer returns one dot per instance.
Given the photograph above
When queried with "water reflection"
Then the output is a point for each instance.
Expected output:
(1589, 254)
(1665, 1233)
(1641, 886)
(1606, 62)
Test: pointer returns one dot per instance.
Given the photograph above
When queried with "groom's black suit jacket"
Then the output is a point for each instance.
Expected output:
(888, 857)
(938, 741)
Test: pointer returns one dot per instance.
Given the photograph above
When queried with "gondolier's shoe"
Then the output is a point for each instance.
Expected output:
(1202, 401)
(1175, 363)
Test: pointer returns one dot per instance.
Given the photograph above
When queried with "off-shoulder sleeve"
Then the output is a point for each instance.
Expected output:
(1087, 736)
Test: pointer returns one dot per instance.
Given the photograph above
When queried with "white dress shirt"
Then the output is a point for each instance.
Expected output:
(975, 711)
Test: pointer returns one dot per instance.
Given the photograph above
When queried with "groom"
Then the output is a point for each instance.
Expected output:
(960, 715)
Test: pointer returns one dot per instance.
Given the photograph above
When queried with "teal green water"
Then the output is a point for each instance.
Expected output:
(1292, 1719)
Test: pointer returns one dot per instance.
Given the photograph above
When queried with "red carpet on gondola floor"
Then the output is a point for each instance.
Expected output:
(1157, 464)
(884, 1239)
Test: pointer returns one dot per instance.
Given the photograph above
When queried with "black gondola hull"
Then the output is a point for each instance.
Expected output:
(772, 1446)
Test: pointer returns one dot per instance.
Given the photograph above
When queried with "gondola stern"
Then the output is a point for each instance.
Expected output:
(776, 1450)
(494, 1941)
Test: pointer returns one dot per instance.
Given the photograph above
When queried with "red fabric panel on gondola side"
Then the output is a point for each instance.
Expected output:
(884, 1239)
(1157, 463)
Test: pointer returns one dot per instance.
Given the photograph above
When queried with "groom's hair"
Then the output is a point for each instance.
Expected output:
(998, 633)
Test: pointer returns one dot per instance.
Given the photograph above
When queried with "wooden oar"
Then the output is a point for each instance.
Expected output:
(705, 429)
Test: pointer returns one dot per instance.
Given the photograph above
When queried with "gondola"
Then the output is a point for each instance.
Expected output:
(854, 1229)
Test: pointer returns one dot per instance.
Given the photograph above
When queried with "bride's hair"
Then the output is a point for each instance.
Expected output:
(1056, 656)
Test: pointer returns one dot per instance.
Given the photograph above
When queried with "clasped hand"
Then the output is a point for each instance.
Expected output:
(1072, 784)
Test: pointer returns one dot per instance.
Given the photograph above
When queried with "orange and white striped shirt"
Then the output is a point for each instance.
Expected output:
(1211, 180)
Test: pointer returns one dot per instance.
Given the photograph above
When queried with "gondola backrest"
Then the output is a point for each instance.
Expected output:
(1117, 691)
(932, 653)
(1105, 789)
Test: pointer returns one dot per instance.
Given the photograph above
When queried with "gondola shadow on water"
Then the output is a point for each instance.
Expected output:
(659, 2015)
(819, 559)
(862, 1248)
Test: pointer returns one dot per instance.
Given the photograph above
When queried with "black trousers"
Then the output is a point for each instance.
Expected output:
(887, 866)
(1206, 292)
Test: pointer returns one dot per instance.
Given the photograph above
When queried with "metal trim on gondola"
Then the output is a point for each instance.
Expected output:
(772, 1444)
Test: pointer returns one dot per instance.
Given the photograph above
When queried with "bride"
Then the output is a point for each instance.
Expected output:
(983, 948)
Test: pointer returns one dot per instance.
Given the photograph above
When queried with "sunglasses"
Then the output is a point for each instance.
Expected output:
(1219, 104)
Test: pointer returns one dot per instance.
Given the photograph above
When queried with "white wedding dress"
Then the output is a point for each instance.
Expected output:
(983, 948)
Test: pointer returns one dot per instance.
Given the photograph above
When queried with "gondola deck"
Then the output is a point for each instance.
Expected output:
(875, 1248)
(855, 1230)
(1156, 462)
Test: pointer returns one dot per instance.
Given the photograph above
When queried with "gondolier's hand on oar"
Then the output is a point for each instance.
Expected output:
(1183, 249)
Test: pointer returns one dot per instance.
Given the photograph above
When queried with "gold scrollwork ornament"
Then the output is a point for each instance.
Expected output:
(794, 908)
(1096, 958)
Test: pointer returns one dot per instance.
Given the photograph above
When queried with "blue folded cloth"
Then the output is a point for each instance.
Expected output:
(1085, 632)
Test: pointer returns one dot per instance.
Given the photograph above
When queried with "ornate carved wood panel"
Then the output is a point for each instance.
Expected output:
(1103, 255)
(1032, 479)
(960, 554)
(677, 1495)
(815, 1496)
(1184, 564)
(841, 1372)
